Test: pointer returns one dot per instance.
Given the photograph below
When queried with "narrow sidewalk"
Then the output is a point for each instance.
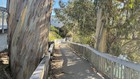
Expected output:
(67, 65)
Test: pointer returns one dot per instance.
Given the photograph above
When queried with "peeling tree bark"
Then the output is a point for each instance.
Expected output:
(28, 22)
(103, 12)
(101, 33)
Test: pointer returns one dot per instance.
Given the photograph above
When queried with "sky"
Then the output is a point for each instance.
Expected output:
(3, 3)
(54, 21)
(56, 5)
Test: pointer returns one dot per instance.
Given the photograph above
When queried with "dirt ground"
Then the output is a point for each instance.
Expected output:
(56, 64)
(4, 63)
(4, 59)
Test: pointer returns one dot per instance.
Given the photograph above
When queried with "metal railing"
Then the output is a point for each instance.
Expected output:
(110, 66)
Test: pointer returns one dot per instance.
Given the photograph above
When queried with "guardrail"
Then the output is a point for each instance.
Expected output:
(51, 49)
(42, 70)
(57, 41)
(110, 66)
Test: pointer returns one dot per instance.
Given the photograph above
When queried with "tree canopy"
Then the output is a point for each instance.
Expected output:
(107, 25)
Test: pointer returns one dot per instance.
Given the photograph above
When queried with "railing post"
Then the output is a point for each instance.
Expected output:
(2, 21)
(112, 65)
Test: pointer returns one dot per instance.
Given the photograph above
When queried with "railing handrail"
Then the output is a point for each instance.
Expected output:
(42, 69)
(41, 72)
(129, 64)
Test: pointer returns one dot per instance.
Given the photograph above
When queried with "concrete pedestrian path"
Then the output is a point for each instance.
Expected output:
(67, 65)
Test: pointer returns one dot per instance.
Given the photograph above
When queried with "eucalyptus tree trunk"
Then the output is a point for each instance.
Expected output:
(100, 44)
(28, 22)
(102, 24)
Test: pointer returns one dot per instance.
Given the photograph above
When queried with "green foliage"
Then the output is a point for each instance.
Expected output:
(54, 34)
(54, 29)
(121, 19)
(78, 17)
(123, 33)
(63, 31)
(83, 39)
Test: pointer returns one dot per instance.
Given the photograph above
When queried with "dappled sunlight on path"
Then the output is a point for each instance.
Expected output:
(67, 65)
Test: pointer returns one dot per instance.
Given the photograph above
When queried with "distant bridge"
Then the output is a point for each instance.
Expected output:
(3, 9)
